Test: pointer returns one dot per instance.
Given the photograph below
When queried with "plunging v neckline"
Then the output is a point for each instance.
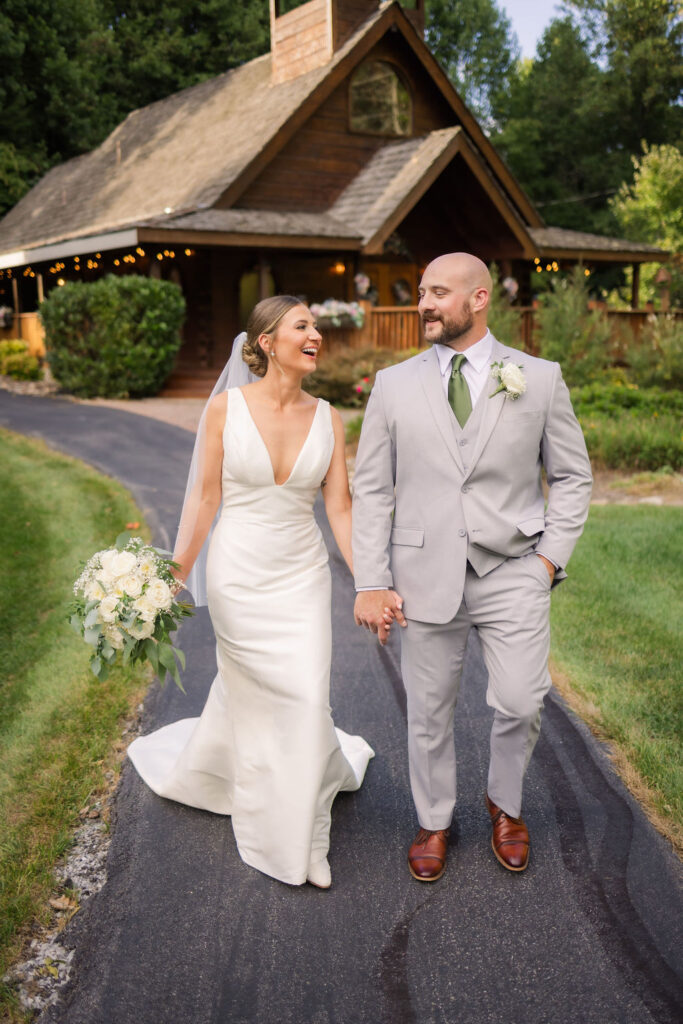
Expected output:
(265, 446)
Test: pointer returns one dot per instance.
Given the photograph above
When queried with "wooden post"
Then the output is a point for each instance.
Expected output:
(41, 292)
(17, 308)
(263, 269)
(635, 286)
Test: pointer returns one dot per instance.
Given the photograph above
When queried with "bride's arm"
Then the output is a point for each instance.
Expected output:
(336, 493)
(201, 508)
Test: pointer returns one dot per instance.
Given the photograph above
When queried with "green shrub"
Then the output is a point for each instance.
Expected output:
(616, 398)
(656, 357)
(634, 442)
(503, 318)
(115, 337)
(570, 333)
(16, 362)
(346, 376)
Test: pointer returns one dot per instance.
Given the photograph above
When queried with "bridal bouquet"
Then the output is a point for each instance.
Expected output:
(125, 604)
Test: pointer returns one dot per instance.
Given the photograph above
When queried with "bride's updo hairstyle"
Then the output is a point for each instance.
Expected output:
(264, 318)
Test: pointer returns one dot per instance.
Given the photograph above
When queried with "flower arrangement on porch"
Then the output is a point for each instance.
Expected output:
(334, 313)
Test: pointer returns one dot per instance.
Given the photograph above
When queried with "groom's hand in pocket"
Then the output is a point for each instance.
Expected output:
(377, 609)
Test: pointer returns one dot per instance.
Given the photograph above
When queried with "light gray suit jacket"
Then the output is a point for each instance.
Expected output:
(429, 497)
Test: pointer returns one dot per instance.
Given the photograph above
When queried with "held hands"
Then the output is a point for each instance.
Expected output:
(377, 609)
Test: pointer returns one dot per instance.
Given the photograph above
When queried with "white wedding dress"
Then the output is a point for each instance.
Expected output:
(265, 749)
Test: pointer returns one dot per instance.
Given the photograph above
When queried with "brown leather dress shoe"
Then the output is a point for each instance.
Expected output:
(510, 839)
(427, 855)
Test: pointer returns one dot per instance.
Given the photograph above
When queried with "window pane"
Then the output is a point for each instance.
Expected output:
(380, 102)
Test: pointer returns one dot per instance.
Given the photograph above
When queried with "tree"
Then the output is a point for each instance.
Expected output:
(640, 44)
(157, 48)
(474, 42)
(555, 119)
(651, 210)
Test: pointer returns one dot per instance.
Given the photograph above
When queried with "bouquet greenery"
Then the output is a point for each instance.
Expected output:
(125, 604)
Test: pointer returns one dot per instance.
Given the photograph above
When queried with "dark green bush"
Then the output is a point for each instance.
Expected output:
(571, 334)
(656, 357)
(16, 362)
(113, 338)
(346, 376)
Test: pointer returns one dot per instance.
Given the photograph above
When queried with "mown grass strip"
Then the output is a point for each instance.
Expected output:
(616, 639)
(57, 723)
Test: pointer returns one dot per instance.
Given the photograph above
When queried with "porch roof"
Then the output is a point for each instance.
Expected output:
(560, 243)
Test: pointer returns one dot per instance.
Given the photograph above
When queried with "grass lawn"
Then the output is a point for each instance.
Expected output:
(58, 725)
(616, 640)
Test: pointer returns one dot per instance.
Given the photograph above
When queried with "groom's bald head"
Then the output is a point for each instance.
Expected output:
(454, 296)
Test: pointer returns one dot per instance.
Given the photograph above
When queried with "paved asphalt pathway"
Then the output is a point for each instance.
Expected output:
(184, 933)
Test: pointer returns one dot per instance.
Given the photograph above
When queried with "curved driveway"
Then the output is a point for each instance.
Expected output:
(184, 933)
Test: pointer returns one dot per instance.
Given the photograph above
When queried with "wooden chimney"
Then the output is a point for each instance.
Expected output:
(307, 36)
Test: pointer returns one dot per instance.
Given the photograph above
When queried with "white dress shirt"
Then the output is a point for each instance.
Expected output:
(475, 369)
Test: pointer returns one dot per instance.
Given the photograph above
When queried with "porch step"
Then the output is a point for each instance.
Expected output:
(191, 383)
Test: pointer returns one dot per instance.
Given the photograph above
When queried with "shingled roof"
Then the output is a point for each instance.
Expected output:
(176, 155)
(557, 241)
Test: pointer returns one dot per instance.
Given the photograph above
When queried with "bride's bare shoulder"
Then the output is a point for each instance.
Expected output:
(216, 412)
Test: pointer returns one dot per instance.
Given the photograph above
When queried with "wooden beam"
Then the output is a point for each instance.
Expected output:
(243, 240)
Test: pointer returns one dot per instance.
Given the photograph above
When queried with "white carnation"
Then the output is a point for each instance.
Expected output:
(159, 593)
(131, 584)
(145, 608)
(512, 379)
(147, 566)
(123, 563)
(107, 609)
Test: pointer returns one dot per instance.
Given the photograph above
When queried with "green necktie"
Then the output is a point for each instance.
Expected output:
(458, 391)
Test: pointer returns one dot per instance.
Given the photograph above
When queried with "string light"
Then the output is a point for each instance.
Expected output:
(536, 260)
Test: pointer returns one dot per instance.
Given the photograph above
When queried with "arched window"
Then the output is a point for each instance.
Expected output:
(379, 102)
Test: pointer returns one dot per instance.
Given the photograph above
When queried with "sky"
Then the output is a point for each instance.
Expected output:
(529, 18)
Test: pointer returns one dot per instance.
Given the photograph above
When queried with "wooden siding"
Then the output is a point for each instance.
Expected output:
(324, 156)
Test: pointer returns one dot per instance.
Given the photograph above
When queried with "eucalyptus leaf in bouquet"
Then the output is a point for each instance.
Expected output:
(124, 606)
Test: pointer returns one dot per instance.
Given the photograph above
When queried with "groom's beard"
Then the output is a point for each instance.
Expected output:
(452, 328)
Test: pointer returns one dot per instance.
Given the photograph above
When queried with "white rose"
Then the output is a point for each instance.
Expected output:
(131, 584)
(122, 563)
(140, 631)
(107, 609)
(115, 637)
(145, 608)
(106, 558)
(159, 593)
(512, 379)
(105, 578)
(94, 591)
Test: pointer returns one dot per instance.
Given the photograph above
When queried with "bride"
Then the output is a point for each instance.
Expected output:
(265, 749)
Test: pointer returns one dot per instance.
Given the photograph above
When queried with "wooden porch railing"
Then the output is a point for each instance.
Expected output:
(398, 328)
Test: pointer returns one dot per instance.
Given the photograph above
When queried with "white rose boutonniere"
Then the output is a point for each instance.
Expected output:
(509, 378)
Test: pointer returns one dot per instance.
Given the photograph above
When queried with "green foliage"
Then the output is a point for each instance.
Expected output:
(570, 333)
(655, 358)
(616, 633)
(56, 722)
(346, 376)
(630, 442)
(115, 337)
(651, 210)
(474, 42)
(614, 398)
(16, 362)
(503, 318)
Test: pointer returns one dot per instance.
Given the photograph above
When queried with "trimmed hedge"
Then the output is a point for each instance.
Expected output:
(113, 338)
(16, 362)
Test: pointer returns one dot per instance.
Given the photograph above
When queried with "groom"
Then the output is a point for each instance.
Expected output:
(449, 510)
